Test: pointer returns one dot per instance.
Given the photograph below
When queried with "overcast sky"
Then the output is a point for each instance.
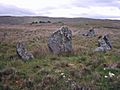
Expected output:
(103, 9)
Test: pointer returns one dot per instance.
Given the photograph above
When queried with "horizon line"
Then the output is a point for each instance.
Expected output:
(58, 17)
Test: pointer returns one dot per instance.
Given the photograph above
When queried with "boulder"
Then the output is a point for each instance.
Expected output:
(22, 51)
(60, 41)
(104, 43)
(90, 33)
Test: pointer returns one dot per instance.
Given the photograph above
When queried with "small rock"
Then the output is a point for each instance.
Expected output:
(90, 33)
(22, 51)
(104, 43)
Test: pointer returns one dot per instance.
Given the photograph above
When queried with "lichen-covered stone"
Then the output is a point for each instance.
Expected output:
(60, 41)
(104, 43)
(90, 33)
(22, 51)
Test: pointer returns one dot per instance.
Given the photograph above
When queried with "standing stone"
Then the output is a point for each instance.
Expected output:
(90, 33)
(22, 51)
(104, 43)
(60, 41)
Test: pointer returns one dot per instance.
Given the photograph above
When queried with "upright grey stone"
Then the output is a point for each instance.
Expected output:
(104, 43)
(60, 41)
(22, 51)
(90, 33)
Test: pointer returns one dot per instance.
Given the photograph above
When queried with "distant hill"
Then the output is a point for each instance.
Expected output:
(29, 19)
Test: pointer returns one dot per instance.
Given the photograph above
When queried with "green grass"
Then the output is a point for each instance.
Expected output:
(64, 72)
(79, 68)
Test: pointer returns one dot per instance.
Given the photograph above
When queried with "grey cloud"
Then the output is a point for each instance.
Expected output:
(46, 11)
(92, 3)
(13, 10)
(16, 11)
(96, 16)
(50, 8)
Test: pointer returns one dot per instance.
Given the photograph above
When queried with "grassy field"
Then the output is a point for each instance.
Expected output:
(81, 70)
